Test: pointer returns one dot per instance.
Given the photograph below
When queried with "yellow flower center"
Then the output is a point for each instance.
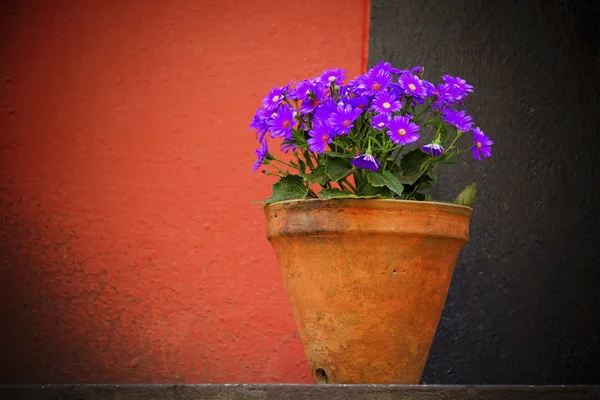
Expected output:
(412, 86)
(275, 99)
(286, 124)
(346, 123)
(376, 86)
(478, 145)
(401, 132)
(386, 105)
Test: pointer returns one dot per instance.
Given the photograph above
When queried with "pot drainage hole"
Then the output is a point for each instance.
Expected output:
(320, 376)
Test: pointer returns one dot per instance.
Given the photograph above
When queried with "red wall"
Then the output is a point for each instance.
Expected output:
(129, 250)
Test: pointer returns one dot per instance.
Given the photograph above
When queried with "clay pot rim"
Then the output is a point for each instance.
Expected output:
(438, 204)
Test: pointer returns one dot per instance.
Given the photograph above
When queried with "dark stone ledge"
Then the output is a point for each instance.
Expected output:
(259, 392)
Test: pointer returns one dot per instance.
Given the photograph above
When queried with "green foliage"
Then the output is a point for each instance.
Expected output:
(337, 168)
(289, 187)
(387, 179)
(467, 196)
(337, 194)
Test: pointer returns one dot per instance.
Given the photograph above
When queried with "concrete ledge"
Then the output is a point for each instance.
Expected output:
(289, 392)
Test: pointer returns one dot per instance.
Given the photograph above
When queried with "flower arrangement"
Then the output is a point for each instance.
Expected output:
(361, 139)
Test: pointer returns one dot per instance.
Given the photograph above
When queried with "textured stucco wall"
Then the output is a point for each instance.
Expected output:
(523, 304)
(129, 250)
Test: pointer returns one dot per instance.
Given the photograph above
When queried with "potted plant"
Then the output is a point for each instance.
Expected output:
(366, 256)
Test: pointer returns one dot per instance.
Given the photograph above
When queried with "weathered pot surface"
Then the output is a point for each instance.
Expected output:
(367, 281)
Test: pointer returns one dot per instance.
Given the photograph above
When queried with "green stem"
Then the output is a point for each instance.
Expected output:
(458, 134)
(283, 162)
(267, 162)
(350, 187)
(398, 153)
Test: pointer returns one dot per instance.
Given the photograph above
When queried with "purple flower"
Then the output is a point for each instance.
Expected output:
(366, 161)
(272, 101)
(261, 154)
(380, 121)
(459, 119)
(370, 85)
(445, 95)
(482, 145)
(342, 119)
(459, 84)
(302, 89)
(320, 136)
(335, 75)
(325, 109)
(412, 85)
(386, 103)
(282, 123)
(260, 123)
(286, 147)
(435, 149)
(402, 131)
(418, 70)
(386, 67)
(357, 102)
(318, 94)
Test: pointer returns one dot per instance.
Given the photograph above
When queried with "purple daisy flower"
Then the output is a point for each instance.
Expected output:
(335, 75)
(380, 121)
(302, 90)
(482, 145)
(386, 103)
(320, 136)
(261, 154)
(366, 161)
(286, 147)
(272, 101)
(412, 85)
(342, 119)
(325, 109)
(402, 131)
(370, 85)
(380, 66)
(459, 119)
(445, 95)
(434, 149)
(318, 94)
(260, 123)
(418, 70)
(282, 123)
(357, 102)
(462, 87)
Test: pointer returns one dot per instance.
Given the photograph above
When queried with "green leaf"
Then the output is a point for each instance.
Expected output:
(337, 168)
(375, 179)
(412, 166)
(317, 176)
(381, 192)
(337, 194)
(467, 196)
(392, 182)
(302, 164)
(386, 179)
(421, 196)
(290, 187)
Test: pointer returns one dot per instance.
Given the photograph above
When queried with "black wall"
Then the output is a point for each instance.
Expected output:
(524, 304)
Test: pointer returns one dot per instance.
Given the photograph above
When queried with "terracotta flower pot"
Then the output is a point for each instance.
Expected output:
(367, 281)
